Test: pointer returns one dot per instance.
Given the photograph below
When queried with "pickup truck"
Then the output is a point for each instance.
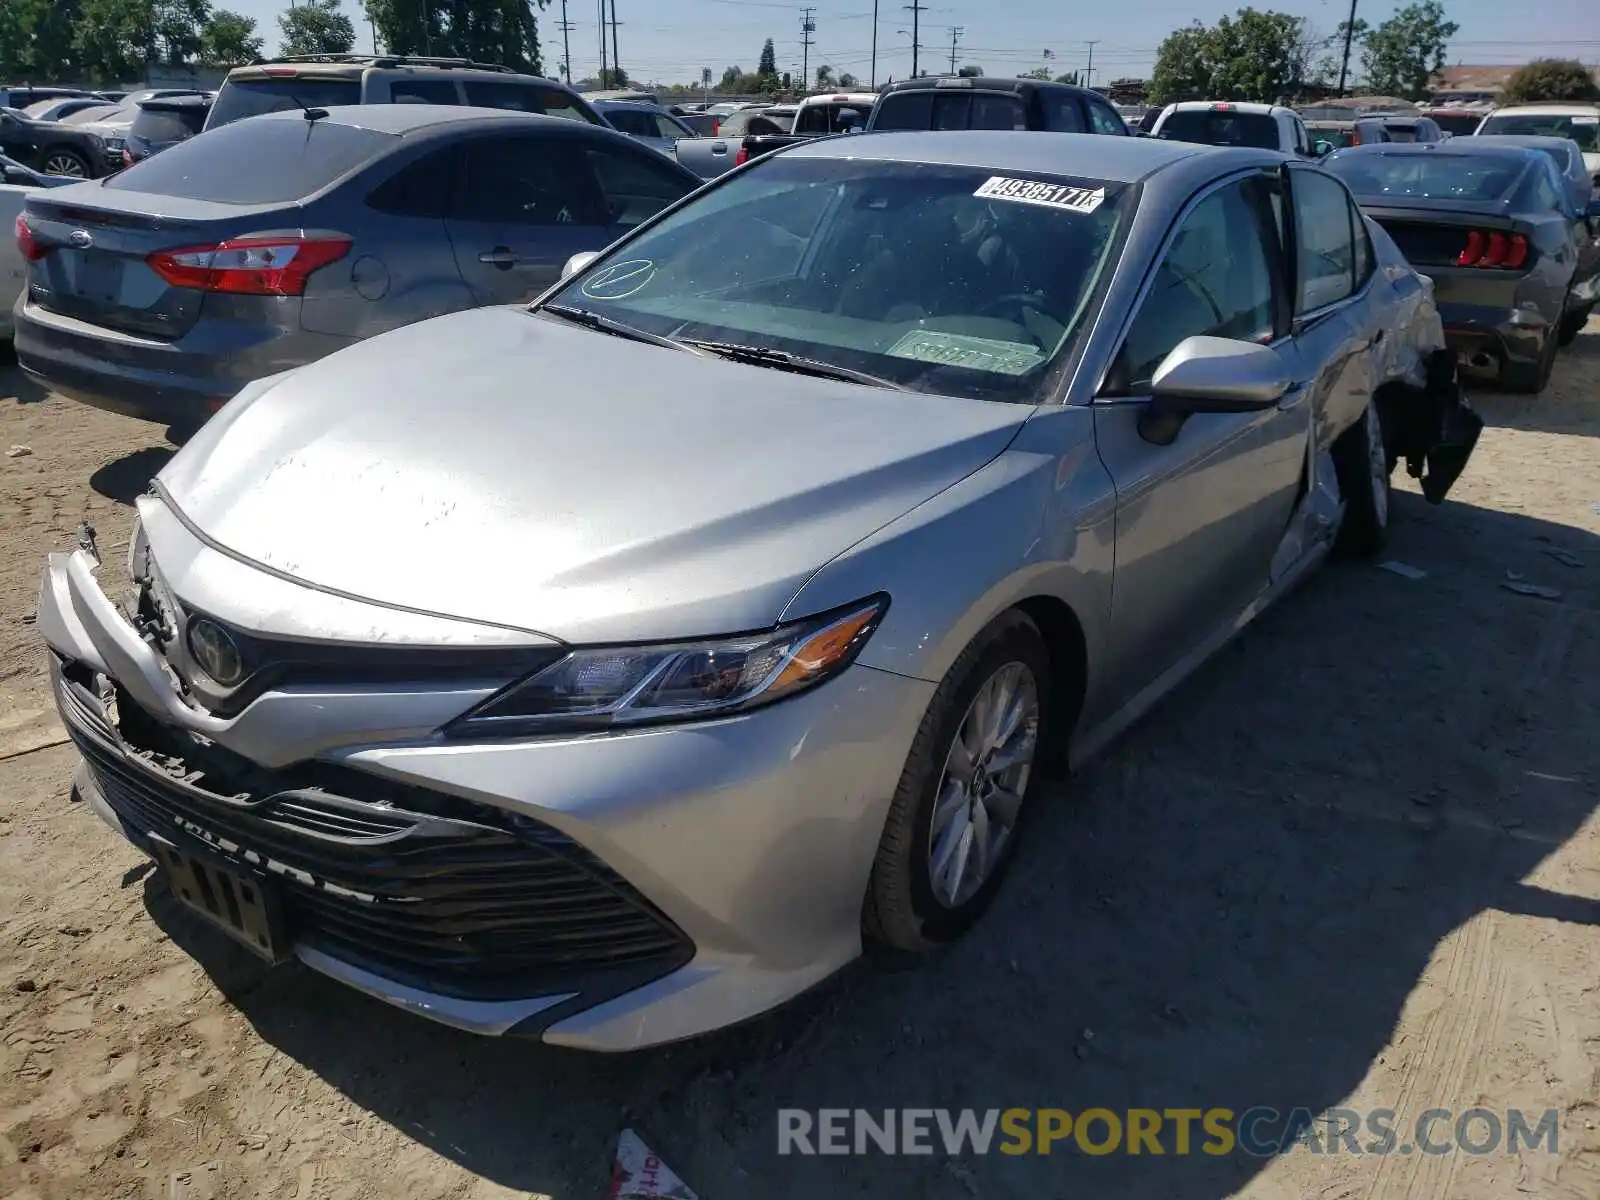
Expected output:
(19, 182)
(764, 131)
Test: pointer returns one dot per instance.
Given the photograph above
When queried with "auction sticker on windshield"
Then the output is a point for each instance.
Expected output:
(960, 350)
(1048, 195)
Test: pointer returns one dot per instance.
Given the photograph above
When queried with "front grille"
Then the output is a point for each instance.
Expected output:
(419, 886)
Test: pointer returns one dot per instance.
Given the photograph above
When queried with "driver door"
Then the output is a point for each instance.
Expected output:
(1199, 519)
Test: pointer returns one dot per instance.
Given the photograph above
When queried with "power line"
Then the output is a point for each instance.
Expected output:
(916, 8)
(955, 36)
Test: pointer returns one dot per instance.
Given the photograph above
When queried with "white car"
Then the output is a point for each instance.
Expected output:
(1577, 122)
(19, 181)
(1226, 123)
(820, 114)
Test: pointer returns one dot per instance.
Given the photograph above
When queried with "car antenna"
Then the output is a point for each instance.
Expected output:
(312, 114)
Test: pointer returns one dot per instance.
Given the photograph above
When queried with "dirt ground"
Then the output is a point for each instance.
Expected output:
(1354, 862)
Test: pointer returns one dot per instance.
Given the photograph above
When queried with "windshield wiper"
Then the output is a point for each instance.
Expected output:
(765, 356)
(593, 320)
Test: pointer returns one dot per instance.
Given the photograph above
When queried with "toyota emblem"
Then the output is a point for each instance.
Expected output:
(215, 651)
(80, 238)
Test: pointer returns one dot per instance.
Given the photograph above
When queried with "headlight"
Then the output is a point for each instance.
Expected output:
(113, 145)
(606, 687)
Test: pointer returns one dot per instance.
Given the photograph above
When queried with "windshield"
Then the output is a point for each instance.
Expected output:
(1427, 176)
(1457, 124)
(1211, 127)
(1585, 130)
(937, 278)
(241, 98)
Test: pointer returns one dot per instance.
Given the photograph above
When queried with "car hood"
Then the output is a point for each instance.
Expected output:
(510, 469)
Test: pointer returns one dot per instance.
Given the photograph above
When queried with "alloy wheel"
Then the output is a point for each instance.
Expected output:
(64, 164)
(985, 777)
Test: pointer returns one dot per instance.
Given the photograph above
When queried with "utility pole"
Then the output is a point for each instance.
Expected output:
(1349, 32)
(808, 26)
(874, 82)
(566, 44)
(603, 61)
(1088, 71)
(616, 55)
(955, 36)
(916, 8)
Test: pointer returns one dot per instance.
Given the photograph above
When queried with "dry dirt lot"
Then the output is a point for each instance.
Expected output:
(1354, 862)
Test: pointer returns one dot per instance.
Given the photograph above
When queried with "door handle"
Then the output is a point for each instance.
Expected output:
(501, 256)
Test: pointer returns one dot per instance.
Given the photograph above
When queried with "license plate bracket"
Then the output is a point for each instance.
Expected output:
(243, 904)
(99, 278)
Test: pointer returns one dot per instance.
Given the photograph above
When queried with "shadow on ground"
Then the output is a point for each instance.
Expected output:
(127, 478)
(1228, 909)
(1568, 406)
(14, 383)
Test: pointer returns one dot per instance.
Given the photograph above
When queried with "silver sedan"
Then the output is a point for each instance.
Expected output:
(615, 669)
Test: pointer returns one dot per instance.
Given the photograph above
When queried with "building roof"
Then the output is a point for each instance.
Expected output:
(1486, 78)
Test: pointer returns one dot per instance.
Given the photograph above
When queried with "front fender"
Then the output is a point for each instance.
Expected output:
(1037, 521)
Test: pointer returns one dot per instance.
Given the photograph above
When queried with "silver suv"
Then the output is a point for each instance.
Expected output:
(266, 244)
(325, 80)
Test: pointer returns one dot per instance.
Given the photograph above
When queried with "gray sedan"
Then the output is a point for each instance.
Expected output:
(264, 244)
(615, 669)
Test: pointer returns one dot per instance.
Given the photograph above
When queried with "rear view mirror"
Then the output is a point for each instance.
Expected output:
(1210, 375)
(578, 262)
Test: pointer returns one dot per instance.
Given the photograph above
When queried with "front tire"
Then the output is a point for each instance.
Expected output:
(1361, 462)
(952, 826)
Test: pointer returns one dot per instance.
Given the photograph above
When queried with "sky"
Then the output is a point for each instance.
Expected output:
(660, 44)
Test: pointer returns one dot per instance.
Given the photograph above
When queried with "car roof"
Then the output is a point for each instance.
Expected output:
(1462, 147)
(168, 103)
(1088, 156)
(1547, 110)
(409, 118)
(626, 105)
(992, 83)
(841, 98)
(1535, 140)
(1244, 106)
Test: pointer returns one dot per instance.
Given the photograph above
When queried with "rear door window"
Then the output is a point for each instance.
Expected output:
(1062, 113)
(419, 190)
(627, 120)
(424, 91)
(526, 97)
(1323, 221)
(527, 181)
(167, 125)
(252, 97)
(1222, 127)
(262, 162)
(1104, 119)
(997, 112)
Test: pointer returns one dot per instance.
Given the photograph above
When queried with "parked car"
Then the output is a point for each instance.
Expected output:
(702, 124)
(647, 123)
(50, 146)
(1564, 152)
(324, 80)
(1516, 271)
(261, 245)
(162, 124)
(1336, 135)
(1081, 423)
(946, 102)
(112, 126)
(60, 110)
(16, 181)
(1226, 123)
(1580, 122)
(710, 157)
(22, 95)
(816, 116)
(1413, 129)
(1457, 122)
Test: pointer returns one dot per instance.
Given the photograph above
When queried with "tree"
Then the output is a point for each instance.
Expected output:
(1068, 77)
(613, 78)
(178, 26)
(767, 67)
(1401, 55)
(848, 81)
(1037, 73)
(1252, 55)
(229, 39)
(1183, 66)
(788, 81)
(971, 71)
(113, 39)
(824, 76)
(1550, 79)
(500, 31)
(36, 39)
(317, 27)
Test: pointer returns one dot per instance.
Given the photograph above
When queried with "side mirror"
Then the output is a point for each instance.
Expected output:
(578, 262)
(1321, 147)
(1210, 375)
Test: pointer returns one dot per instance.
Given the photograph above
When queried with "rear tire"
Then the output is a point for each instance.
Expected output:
(941, 800)
(64, 162)
(1361, 463)
(1530, 379)
(1572, 324)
